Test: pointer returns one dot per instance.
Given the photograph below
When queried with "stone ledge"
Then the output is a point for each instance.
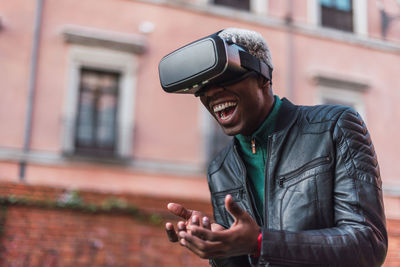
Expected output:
(340, 82)
(108, 39)
(63, 159)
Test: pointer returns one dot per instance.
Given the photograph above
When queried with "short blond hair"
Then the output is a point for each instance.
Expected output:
(251, 40)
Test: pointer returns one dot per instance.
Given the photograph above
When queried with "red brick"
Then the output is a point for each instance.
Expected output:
(40, 237)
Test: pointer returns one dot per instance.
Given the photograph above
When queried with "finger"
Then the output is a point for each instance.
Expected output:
(181, 226)
(171, 234)
(179, 210)
(233, 208)
(204, 249)
(195, 220)
(205, 234)
(181, 229)
(206, 223)
(217, 227)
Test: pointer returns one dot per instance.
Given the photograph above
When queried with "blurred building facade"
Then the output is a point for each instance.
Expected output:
(81, 108)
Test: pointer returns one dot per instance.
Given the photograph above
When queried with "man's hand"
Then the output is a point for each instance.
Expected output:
(191, 217)
(241, 238)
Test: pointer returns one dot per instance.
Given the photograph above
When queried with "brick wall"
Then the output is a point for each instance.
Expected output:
(37, 234)
(43, 237)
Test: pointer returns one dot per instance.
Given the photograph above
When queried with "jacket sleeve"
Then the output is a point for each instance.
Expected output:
(238, 261)
(359, 236)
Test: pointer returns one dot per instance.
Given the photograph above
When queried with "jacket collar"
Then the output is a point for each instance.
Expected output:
(286, 116)
(266, 128)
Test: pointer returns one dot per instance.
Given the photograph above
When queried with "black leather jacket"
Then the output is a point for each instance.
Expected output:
(323, 196)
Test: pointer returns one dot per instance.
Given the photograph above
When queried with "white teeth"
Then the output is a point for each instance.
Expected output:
(223, 106)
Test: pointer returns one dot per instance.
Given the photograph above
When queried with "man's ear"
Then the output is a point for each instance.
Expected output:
(267, 84)
(262, 82)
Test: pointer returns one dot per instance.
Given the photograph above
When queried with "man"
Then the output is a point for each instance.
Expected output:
(298, 185)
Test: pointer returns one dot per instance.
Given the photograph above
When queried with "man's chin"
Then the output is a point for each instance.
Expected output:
(230, 128)
(231, 131)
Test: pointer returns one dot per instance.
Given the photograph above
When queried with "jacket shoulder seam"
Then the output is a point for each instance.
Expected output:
(324, 113)
(344, 142)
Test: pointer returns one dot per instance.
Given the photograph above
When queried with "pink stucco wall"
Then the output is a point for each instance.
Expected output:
(168, 127)
(15, 52)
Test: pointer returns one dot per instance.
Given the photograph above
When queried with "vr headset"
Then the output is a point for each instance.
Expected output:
(208, 61)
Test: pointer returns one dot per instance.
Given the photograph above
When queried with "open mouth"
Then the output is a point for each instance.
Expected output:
(225, 110)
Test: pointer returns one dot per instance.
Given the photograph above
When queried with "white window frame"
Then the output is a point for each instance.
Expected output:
(259, 7)
(343, 96)
(125, 64)
(360, 15)
(347, 90)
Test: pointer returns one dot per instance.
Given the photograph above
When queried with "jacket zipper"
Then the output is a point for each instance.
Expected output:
(266, 179)
(253, 146)
(249, 197)
(308, 166)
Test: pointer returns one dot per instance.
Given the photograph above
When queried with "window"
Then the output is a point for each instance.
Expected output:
(343, 15)
(99, 107)
(98, 115)
(96, 130)
(342, 91)
(337, 14)
(343, 97)
(259, 7)
(238, 4)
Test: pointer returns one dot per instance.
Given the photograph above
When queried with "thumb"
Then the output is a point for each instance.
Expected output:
(179, 210)
(233, 208)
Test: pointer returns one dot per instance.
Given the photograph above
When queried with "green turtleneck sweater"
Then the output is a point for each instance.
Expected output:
(253, 151)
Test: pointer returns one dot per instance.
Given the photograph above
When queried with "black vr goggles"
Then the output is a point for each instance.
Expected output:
(208, 61)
